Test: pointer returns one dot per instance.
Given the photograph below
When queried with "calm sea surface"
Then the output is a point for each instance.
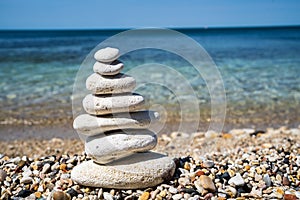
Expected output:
(260, 69)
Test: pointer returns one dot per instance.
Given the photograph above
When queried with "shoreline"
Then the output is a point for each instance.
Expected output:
(169, 142)
(64, 129)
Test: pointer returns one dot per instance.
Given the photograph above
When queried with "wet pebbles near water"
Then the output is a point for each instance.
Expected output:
(254, 165)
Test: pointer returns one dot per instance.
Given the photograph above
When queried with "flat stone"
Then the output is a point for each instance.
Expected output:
(120, 83)
(107, 54)
(102, 105)
(26, 180)
(141, 170)
(108, 69)
(92, 125)
(113, 145)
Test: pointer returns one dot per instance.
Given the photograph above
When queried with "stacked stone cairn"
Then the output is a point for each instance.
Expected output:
(115, 130)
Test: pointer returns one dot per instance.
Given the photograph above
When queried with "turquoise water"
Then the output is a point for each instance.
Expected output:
(260, 68)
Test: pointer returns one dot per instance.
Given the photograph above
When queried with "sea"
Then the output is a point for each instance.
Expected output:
(259, 69)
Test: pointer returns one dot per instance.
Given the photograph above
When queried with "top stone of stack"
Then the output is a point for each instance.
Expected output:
(107, 55)
(107, 63)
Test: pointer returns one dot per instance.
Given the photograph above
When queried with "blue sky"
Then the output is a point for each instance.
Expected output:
(98, 14)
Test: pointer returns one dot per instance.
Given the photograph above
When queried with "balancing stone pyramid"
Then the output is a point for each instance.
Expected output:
(117, 138)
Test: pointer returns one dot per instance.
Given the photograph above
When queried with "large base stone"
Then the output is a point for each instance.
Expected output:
(140, 170)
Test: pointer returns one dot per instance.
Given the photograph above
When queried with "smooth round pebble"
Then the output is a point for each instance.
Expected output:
(108, 69)
(101, 105)
(120, 83)
(107, 54)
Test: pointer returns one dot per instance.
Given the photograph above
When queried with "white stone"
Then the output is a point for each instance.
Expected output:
(177, 196)
(26, 180)
(27, 172)
(237, 180)
(173, 190)
(108, 147)
(295, 131)
(101, 105)
(297, 193)
(46, 168)
(92, 125)
(119, 83)
(107, 54)
(108, 196)
(108, 69)
(141, 170)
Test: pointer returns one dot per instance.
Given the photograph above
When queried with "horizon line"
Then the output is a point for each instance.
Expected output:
(174, 28)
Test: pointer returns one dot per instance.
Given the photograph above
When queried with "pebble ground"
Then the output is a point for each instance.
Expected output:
(241, 164)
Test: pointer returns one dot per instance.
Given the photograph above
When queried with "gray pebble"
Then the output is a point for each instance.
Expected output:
(267, 180)
(2, 175)
(26, 180)
(208, 164)
(297, 194)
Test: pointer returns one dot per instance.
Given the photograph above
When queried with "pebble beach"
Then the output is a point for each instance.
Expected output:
(238, 164)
